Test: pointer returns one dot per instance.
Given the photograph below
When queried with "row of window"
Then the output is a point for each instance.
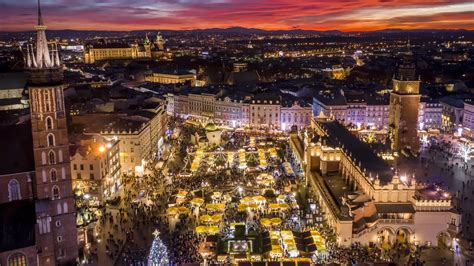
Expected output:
(81, 167)
(91, 176)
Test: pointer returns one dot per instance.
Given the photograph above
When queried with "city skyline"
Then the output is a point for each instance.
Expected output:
(268, 15)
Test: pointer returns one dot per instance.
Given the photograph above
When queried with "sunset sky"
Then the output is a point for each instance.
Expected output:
(345, 15)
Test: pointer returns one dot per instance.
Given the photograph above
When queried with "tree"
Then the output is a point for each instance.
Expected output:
(158, 252)
(465, 152)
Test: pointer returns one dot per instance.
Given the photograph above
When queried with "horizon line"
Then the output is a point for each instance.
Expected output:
(244, 28)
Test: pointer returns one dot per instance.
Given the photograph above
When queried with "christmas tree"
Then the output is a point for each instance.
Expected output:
(158, 252)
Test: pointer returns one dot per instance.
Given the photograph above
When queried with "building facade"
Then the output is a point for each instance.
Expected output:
(141, 135)
(452, 113)
(265, 112)
(56, 239)
(120, 51)
(171, 78)
(295, 115)
(468, 117)
(95, 169)
(256, 112)
(430, 115)
(404, 106)
(363, 199)
(357, 109)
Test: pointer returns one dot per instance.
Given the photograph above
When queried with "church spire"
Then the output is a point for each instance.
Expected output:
(40, 18)
(42, 59)
(43, 62)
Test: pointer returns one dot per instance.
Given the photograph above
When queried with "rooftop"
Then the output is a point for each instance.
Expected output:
(111, 45)
(17, 149)
(339, 136)
(17, 225)
(13, 80)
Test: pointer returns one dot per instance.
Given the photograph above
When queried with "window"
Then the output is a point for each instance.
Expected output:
(47, 103)
(14, 190)
(49, 123)
(53, 175)
(82, 167)
(50, 140)
(17, 259)
(79, 176)
(91, 167)
(91, 177)
(61, 253)
(58, 223)
(52, 157)
(74, 167)
(56, 192)
(60, 239)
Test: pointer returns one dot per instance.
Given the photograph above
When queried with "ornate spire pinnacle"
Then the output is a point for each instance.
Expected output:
(40, 18)
(56, 60)
(33, 58)
(43, 62)
(28, 59)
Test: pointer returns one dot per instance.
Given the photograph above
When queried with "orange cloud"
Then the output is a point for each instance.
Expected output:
(347, 15)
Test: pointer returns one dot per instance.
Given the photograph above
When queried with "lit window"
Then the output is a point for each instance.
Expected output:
(17, 259)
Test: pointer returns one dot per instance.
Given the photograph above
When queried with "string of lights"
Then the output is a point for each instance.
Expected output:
(158, 252)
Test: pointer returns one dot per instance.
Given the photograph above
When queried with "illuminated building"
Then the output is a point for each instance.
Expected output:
(468, 118)
(95, 168)
(295, 114)
(452, 113)
(171, 78)
(261, 111)
(141, 134)
(121, 51)
(265, 112)
(430, 113)
(337, 72)
(56, 238)
(404, 105)
(369, 111)
(353, 108)
(363, 199)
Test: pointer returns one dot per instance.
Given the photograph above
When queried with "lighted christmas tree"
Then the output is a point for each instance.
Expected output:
(158, 252)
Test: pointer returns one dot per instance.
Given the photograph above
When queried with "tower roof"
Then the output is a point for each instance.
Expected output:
(42, 60)
(40, 18)
(407, 68)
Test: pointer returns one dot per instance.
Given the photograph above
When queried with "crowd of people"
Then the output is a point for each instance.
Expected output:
(142, 209)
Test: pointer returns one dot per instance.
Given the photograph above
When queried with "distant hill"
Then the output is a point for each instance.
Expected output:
(87, 34)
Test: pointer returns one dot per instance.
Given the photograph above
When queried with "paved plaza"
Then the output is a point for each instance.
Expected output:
(245, 196)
